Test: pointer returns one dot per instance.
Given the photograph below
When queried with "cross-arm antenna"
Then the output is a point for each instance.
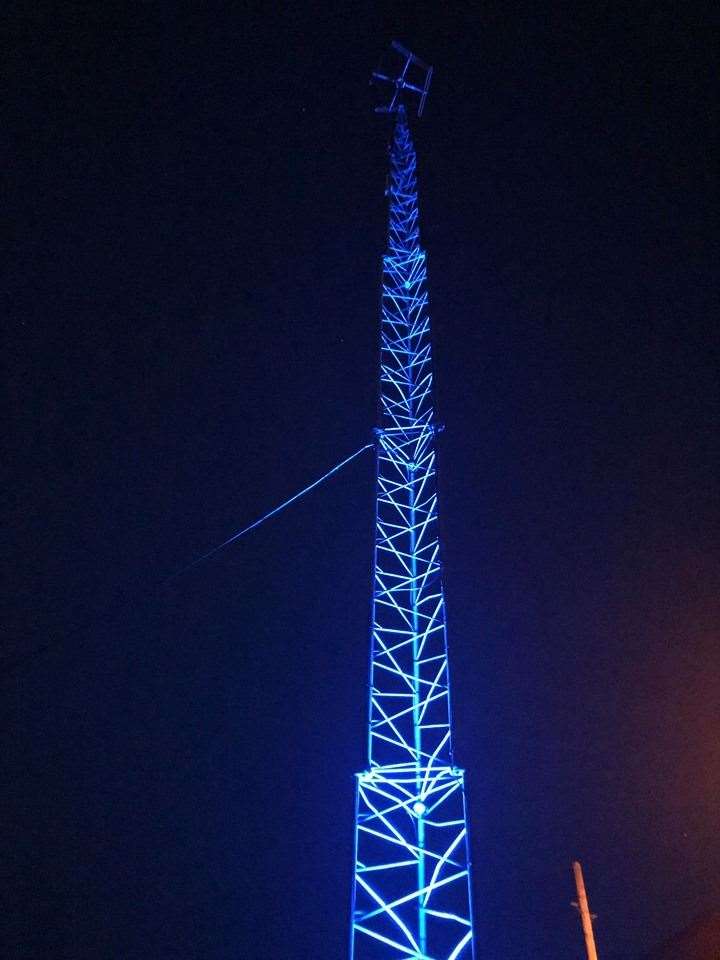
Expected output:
(412, 75)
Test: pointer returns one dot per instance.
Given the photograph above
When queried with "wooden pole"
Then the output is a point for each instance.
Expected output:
(585, 915)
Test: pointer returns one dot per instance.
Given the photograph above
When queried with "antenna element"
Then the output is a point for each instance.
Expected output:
(410, 74)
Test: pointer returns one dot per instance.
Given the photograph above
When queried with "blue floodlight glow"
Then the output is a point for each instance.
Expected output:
(411, 889)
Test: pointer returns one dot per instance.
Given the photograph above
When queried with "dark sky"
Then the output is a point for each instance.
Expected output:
(197, 214)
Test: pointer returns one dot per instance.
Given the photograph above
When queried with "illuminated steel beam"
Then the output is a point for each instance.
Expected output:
(411, 890)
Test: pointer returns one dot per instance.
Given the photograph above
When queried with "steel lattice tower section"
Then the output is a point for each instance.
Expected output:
(411, 890)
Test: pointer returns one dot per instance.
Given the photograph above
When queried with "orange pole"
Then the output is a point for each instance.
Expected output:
(585, 916)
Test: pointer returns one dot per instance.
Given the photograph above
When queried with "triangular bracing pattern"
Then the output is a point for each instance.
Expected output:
(412, 871)
(412, 886)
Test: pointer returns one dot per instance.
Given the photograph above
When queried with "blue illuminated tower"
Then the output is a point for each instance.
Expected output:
(411, 889)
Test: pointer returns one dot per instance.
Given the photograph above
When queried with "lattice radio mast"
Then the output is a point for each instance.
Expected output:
(411, 890)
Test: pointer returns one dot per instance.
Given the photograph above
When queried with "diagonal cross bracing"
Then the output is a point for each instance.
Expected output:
(411, 894)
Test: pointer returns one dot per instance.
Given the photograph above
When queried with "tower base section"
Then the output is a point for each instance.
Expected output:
(411, 891)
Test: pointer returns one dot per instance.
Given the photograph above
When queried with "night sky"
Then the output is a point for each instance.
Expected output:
(194, 224)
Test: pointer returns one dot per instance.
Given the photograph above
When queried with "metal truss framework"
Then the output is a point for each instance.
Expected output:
(411, 891)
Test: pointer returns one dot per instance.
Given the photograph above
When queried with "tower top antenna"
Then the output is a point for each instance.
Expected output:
(408, 76)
